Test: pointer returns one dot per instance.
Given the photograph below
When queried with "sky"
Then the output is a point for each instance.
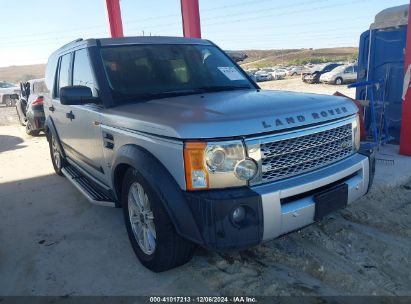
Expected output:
(30, 30)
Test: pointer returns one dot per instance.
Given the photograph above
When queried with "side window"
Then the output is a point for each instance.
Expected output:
(39, 87)
(82, 73)
(63, 79)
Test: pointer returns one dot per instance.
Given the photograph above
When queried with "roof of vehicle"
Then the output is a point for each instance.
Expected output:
(391, 17)
(132, 40)
(342, 67)
(35, 80)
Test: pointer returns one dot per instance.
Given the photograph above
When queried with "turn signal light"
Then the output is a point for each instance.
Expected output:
(38, 101)
(195, 166)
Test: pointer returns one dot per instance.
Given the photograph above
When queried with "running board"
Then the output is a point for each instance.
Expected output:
(92, 192)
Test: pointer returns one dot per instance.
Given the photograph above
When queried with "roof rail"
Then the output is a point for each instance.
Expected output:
(72, 42)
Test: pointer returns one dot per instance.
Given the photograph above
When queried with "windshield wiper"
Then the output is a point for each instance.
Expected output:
(150, 96)
(200, 90)
(223, 88)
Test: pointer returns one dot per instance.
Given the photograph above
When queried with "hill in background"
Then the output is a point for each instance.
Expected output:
(17, 73)
(267, 58)
(256, 59)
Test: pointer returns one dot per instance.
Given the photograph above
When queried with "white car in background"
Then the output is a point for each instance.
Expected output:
(340, 75)
(298, 70)
(263, 75)
(279, 73)
(7, 89)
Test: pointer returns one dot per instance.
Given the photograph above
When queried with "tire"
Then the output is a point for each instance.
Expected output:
(338, 81)
(29, 129)
(167, 249)
(18, 115)
(55, 153)
(293, 74)
(10, 102)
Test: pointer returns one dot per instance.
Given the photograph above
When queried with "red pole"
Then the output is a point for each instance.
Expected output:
(114, 18)
(405, 138)
(190, 13)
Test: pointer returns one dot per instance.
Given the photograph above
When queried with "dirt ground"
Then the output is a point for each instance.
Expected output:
(53, 242)
(295, 84)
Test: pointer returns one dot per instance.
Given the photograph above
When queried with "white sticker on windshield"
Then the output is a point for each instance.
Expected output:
(231, 73)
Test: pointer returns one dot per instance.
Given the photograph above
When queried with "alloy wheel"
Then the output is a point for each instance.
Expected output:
(141, 218)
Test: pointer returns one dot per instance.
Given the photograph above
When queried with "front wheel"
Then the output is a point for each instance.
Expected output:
(21, 120)
(339, 81)
(149, 228)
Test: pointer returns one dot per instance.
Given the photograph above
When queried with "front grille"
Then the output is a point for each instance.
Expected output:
(297, 155)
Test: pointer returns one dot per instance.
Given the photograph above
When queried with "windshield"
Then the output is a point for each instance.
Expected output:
(339, 69)
(168, 70)
(6, 85)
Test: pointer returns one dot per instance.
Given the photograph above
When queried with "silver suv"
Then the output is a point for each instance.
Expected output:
(177, 134)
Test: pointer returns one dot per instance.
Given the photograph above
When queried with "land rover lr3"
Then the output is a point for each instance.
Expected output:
(175, 133)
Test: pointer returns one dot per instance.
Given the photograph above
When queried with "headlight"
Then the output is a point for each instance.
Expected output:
(217, 165)
(246, 169)
(356, 133)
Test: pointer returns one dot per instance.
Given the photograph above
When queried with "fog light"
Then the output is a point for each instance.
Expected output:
(238, 214)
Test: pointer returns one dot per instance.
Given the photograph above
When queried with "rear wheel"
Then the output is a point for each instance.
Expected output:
(339, 81)
(29, 129)
(150, 230)
(55, 153)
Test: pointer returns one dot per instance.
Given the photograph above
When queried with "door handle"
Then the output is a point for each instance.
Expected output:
(51, 109)
(70, 115)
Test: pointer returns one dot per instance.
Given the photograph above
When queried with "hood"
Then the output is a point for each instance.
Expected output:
(228, 114)
(327, 75)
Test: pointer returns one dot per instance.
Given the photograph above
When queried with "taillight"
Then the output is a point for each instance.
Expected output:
(39, 101)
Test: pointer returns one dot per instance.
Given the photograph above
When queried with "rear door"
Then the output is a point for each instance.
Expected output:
(59, 111)
(349, 74)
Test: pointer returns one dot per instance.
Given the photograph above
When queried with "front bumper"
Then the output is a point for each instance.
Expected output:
(326, 81)
(276, 208)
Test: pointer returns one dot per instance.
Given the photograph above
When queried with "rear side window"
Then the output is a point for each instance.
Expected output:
(82, 72)
(40, 87)
(63, 79)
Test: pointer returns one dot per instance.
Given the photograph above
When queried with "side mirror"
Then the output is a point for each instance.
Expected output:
(14, 96)
(76, 95)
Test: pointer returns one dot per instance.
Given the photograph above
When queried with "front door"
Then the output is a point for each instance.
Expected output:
(84, 140)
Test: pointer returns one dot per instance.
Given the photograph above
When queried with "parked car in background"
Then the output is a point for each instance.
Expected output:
(7, 89)
(264, 75)
(315, 73)
(251, 75)
(279, 73)
(29, 106)
(340, 75)
(237, 56)
(298, 70)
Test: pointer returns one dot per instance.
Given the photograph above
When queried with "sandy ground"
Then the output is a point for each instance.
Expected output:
(53, 242)
(295, 84)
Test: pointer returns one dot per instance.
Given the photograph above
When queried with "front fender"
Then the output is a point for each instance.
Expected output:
(165, 186)
(49, 126)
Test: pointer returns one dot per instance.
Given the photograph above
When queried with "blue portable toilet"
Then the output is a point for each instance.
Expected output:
(381, 56)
